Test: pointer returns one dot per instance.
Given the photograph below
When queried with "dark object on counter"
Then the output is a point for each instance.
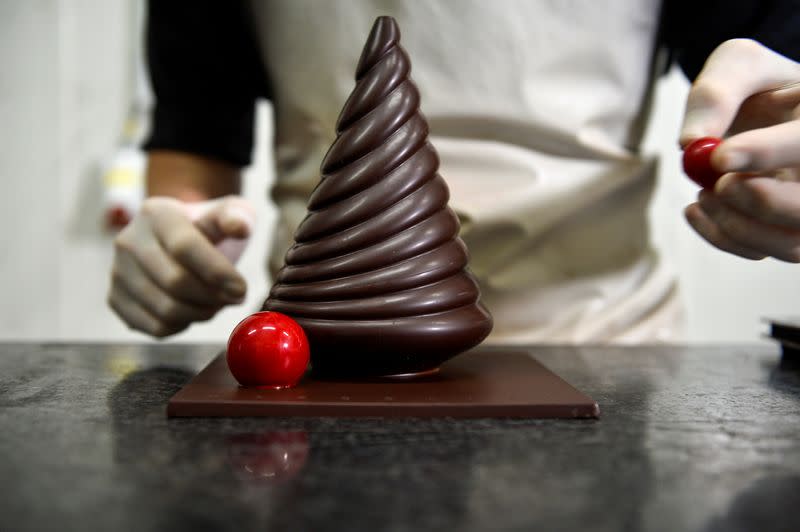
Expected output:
(787, 332)
(377, 275)
(479, 384)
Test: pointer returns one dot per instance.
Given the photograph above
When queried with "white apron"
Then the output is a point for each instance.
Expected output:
(536, 109)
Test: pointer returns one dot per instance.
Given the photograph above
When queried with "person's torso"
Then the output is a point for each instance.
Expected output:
(536, 110)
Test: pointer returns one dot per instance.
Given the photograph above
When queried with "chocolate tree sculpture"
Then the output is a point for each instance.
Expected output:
(377, 275)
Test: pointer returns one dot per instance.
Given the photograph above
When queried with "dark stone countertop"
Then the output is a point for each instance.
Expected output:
(700, 438)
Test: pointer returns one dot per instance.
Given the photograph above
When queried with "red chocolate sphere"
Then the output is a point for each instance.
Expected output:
(697, 161)
(268, 349)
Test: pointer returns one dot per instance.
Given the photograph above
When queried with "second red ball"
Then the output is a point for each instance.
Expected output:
(697, 161)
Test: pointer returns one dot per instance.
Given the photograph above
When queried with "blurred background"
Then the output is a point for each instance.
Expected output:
(73, 106)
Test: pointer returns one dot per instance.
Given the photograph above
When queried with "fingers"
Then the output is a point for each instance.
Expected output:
(136, 317)
(736, 70)
(766, 199)
(184, 243)
(760, 149)
(162, 305)
(145, 306)
(167, 274)
(229, 217)
(151, 260)
(749, 93)
(710, 231)
(226, 222)
(160, 316)
(732, 231)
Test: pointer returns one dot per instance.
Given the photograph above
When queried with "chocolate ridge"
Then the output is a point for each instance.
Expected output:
(390, 71)
(366, 171)
(371, 130)
(446, 294)
(420, 270)
(414, 173)
(382, 37)
(408, 211)
(423, 236)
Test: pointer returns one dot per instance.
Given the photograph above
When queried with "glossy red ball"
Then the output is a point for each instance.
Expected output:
(268, 349)
(697, 161)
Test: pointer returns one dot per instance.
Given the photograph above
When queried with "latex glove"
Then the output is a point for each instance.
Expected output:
(170, 265)
(750, 96)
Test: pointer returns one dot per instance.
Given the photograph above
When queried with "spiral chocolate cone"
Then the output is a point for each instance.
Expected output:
(377, 275)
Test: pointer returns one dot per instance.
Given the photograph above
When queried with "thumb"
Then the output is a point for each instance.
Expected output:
(223, 218)
(736, 71)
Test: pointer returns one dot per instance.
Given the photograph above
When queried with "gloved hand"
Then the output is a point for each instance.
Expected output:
(174, 263)
(751, 96)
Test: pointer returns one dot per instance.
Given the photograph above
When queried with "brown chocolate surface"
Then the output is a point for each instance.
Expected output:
(377, 275)
(497, 383)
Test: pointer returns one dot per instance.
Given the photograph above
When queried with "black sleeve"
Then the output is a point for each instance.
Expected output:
(691, 29)
(207, 75)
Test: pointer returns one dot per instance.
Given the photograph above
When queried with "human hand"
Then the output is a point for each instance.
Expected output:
(750, 96)
(174, 263)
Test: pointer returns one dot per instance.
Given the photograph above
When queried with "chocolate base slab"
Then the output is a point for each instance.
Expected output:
(477, 384)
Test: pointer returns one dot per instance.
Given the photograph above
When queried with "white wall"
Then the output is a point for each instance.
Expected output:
(29, 140)
(64, 94)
